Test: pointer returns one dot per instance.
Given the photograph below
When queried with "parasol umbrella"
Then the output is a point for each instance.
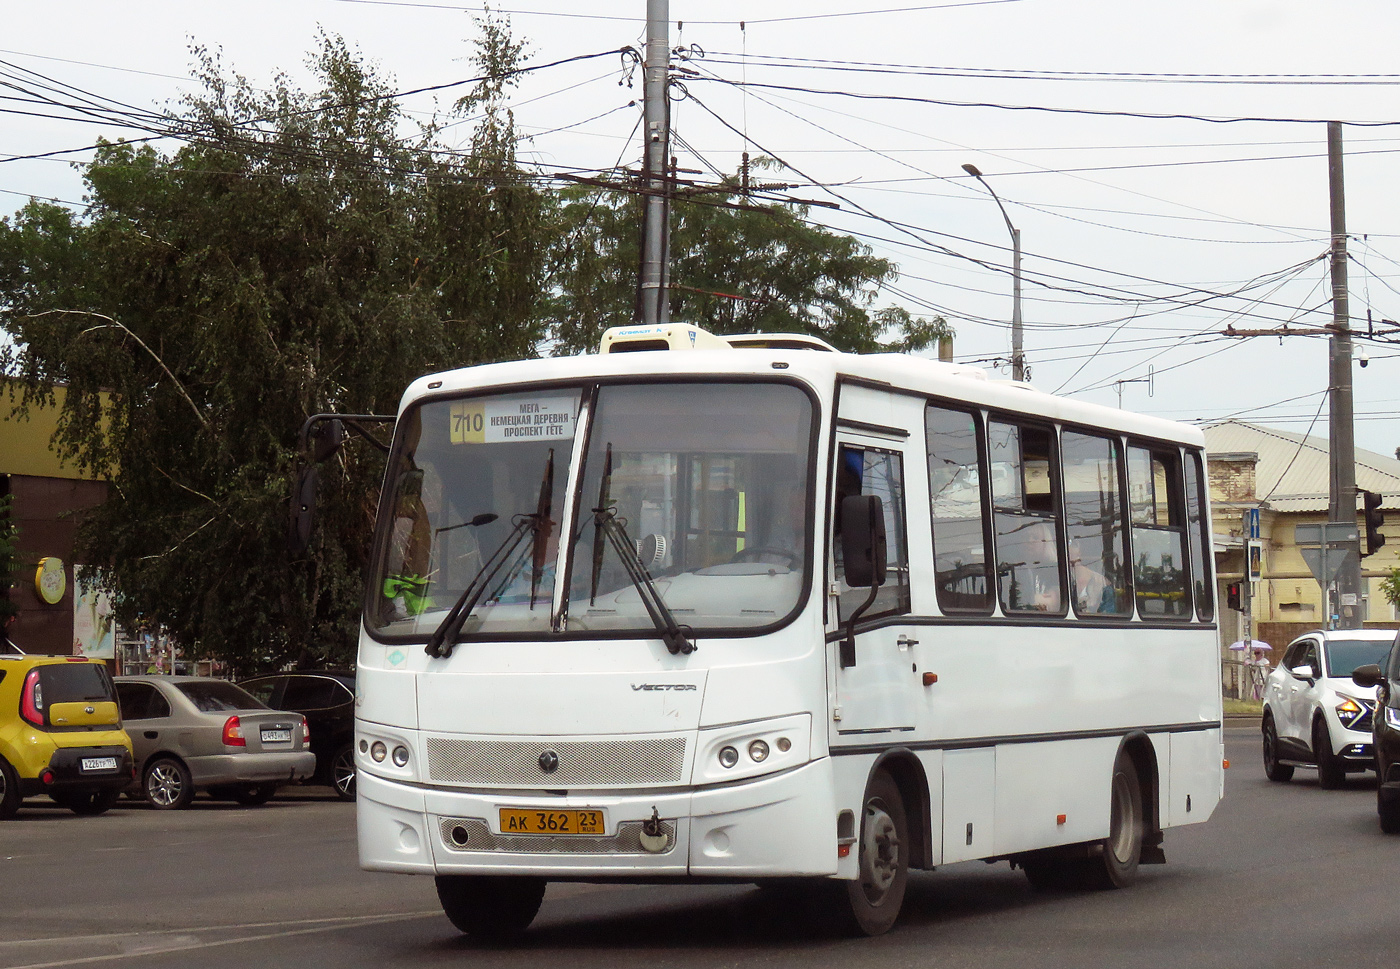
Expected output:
(1252, 644)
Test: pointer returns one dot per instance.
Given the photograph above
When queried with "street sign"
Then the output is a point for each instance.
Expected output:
(1251, 517)
(1329, 533)
(1325, 563)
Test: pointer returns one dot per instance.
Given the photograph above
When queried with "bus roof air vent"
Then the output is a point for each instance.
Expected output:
(662, 336)
(777, 341)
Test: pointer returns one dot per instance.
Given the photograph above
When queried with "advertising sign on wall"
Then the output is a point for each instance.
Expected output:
(94, 633)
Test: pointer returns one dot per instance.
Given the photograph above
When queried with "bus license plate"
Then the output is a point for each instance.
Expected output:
(276, 736)
(99, 763)
(514, 821)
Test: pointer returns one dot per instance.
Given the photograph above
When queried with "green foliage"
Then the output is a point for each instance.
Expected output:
(1390, 587)
(733, 270)
(209, 300)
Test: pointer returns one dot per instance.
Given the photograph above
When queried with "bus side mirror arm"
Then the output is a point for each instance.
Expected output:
(865, 556)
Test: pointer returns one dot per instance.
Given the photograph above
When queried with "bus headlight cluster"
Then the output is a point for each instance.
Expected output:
(391, 752)
(753, 749)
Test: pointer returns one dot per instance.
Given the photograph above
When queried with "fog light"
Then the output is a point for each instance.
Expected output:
(784, 745)
(728, 757)
(378, 751)
(758, 751)
(400, 756)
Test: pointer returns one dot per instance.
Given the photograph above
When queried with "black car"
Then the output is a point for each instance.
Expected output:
(327, 700)
(1385, 728)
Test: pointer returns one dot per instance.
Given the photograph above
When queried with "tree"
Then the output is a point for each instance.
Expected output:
(298, 254)
(735, 268)
(1390, 587)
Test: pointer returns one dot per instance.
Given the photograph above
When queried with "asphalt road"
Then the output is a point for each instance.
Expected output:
(1283, 875)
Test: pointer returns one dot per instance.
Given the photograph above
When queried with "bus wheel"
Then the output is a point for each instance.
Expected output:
(493, 909)
(874, 899)
(1117, 866)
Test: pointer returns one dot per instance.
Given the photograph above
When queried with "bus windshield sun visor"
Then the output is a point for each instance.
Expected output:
(539, 526)
(607, 526)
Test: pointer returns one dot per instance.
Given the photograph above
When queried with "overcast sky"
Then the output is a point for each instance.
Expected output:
(1144, 235)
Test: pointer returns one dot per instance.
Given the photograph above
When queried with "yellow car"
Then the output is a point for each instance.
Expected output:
(60, 734)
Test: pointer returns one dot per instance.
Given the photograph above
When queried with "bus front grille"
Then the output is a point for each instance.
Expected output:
(557, 764)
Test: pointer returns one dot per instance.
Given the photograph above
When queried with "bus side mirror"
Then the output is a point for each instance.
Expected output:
(1368, 675)
(863, 550)
(303, 511)
(326, 440)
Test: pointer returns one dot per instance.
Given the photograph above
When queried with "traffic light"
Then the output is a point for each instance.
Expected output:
(1375, 518)
(1232, 596)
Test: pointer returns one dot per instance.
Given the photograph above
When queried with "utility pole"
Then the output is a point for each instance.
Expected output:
(655, 242)
(1341, 504)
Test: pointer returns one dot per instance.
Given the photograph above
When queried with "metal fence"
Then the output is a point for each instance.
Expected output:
(1242, 680)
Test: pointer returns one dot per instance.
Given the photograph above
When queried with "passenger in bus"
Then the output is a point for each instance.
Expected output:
(1093, 593)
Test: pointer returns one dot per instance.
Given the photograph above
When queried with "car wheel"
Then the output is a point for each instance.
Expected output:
(493, 909)
(1273, 770)
(168, 784)
(1331, 774)
(9, 790)
(1389, 813)
(872, 902)
(90, 804)
(343, 773)
(251, 795)
(1117, 865)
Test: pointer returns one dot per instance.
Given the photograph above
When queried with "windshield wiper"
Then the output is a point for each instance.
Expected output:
(607, 525)
(444, 638)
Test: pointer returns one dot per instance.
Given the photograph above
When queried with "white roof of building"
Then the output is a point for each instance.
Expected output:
(1292, 472)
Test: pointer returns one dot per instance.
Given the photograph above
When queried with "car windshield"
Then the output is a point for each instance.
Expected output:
(707, 484)
(1345, 655)
(216, 697)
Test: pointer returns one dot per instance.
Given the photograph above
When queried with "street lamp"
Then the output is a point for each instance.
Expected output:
(1018, 358)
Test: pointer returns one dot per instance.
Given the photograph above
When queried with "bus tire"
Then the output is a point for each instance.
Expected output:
(1273, 770)
(874, 898)
(1116, 865)
(492, 909)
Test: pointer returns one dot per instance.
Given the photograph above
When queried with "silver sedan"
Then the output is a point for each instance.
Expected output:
(200, 733)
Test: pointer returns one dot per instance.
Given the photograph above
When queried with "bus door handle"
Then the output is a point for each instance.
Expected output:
(904, 642)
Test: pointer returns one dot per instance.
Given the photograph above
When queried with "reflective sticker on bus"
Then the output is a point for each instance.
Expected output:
(514, 420)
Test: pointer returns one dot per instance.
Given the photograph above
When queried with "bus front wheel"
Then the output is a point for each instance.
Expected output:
(874, 899)
(492, 909)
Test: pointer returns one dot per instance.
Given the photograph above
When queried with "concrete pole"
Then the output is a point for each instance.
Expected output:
(658, 137)
(1341, 504)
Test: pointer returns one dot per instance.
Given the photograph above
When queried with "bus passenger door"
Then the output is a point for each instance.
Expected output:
(875, 697)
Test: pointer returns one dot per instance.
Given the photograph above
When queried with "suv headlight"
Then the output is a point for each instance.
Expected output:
(1392, 718)
(746, 750)
(1351, 711)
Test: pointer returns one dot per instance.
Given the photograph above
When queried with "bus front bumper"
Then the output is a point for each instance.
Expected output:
(775, 826)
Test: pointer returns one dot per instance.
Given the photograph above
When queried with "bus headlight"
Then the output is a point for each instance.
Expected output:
(752, 749)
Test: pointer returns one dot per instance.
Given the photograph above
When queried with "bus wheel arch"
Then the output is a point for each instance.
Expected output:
(1139, 749)
(907, 771)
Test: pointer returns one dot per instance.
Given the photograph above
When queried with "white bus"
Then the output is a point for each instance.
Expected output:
(758, 611)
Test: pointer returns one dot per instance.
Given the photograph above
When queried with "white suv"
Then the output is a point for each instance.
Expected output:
(1314, 715)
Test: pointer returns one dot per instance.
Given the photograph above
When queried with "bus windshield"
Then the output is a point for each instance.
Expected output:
(704, 486)
(710, 482)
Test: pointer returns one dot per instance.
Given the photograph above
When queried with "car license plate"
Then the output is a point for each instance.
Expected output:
(276, 736)
(99, 763)
(515, 821)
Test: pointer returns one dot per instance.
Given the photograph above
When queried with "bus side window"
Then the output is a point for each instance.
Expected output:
(958, 509)
(1024, 501)
(1199, 536)
(1159, 533)
(1098, 568)
(869, 471)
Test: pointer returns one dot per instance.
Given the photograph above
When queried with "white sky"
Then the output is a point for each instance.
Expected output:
(1115, 212)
